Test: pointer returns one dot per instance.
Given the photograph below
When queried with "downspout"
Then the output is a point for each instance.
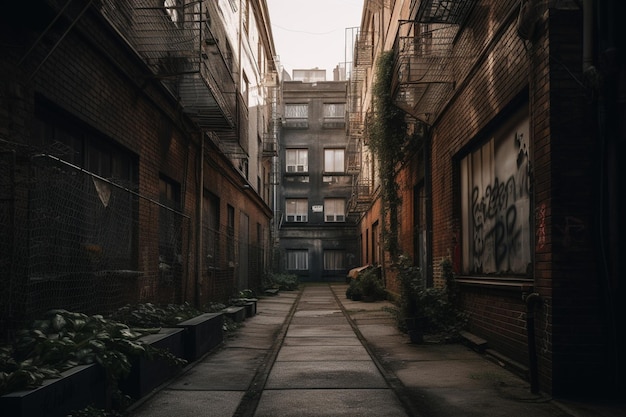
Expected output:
(532, 300)
(199, 208)
(588, 36)
(429, 205)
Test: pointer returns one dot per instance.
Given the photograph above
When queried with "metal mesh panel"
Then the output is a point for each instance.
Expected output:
(83, 243)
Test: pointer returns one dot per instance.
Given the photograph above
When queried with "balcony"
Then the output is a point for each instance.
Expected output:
(424, 69)
(452, 12)
(181, 50)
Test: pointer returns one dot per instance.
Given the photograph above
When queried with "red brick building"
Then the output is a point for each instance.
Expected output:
(515, 178)
(132, 154)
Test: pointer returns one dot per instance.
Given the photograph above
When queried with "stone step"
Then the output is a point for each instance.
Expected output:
(477, 343)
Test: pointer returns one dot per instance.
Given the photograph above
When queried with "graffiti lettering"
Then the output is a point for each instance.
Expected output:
(500, 219)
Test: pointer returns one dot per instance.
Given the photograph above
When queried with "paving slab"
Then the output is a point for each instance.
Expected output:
(191, 404)
(217, 376)
(303, 353)
(322, 341)
(327, 374)
(337, 330)
(329, 403)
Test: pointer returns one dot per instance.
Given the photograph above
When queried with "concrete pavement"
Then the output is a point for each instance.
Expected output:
(315, 353)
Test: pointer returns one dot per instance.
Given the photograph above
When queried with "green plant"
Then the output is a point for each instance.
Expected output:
(366, 284)
(61, 340)
(149, 315)
(386, 134)
(283, 281)
(432, 306)
(371, 284)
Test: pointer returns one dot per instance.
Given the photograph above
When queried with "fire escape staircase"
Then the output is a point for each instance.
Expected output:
(361, 178)
(177, 41)
(425, 59)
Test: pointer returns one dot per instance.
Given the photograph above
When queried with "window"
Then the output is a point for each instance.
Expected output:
(170, 244)
(336, 110)
(211, 229)
(171, 8)
(297, 160)
(245, 14)
(297, 260)
(334, 260)
(334, 160)
(334, 210)
(495, 203)
(334, 115)
(245, 88)
(297, 209)
(230, 234)
(296, 115)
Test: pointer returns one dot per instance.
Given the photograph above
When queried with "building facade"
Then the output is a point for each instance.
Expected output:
(132, 142)
(316, 237)
(510, 173)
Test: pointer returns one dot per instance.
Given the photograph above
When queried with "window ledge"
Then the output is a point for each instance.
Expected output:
(510, 284)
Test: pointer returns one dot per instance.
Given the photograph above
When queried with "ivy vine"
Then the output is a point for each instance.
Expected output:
(387, 137)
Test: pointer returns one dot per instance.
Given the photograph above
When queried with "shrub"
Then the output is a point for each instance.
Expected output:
(367, 284)
(435, 306)
(283, 281)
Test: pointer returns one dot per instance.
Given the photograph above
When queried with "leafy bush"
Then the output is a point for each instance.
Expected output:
(366, 284)
(150, 315)
(62, 340)
(283, 281)
(435, 306)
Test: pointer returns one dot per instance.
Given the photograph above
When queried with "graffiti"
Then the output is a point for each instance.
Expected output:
(500, 218)
(541, 227)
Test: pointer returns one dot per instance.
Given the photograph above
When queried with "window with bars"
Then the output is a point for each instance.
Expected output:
(334, 210)
(297, 260)
(297, 160)
(297, 209)
(334, 160)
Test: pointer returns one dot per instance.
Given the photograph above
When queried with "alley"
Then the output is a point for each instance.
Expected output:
(315, 353)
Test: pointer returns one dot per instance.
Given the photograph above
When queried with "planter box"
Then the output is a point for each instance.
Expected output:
(202, 334)
(250, 306)
(147, 374)
(76, 389)
(237, 314)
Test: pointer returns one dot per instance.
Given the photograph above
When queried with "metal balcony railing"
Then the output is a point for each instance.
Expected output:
(179, 47)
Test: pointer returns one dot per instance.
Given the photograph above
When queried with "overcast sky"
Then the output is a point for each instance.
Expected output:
(311, 33)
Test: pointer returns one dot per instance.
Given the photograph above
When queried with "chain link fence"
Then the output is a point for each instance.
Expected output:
(76, 241)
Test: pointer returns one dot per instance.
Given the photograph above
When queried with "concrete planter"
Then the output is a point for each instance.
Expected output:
(202, 334)
(147, 374)
(76, 389)
(237, 314)
(250, 305)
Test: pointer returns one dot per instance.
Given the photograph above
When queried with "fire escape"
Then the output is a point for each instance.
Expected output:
(181, 46)
(425, 61)
(362, 178)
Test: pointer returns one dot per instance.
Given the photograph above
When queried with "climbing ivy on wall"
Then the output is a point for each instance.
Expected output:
(387, 137)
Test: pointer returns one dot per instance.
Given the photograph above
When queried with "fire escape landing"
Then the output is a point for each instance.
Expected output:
(425, 60)
(180, 46)
(358, 166)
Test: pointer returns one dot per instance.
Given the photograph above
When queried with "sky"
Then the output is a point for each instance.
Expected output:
(311, 33)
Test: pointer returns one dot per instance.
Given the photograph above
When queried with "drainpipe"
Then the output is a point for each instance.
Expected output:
(199, 208)
(532, 300)
(588, 36)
